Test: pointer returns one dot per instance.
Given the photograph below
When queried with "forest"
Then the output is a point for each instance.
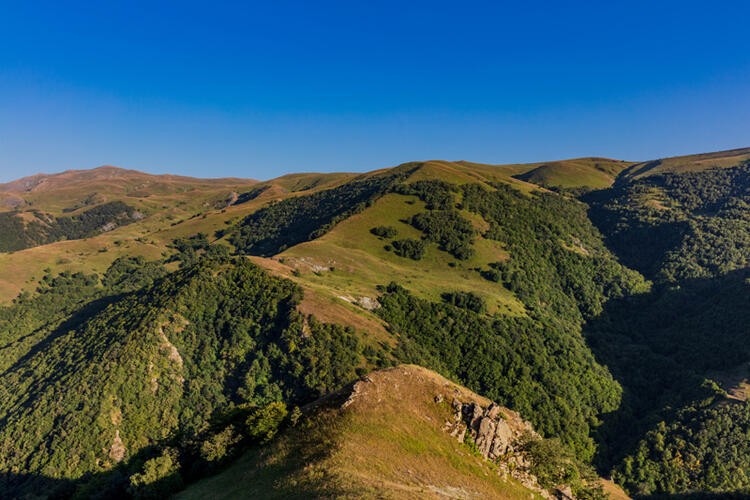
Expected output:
(17, 232)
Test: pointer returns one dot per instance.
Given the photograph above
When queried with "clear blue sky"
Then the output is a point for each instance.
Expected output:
(257, 89)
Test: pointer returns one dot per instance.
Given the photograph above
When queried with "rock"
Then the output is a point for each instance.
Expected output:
(564, 493)
(493, 411)
(472, 413)
(502, 439)
(439, 398)
(485, 435)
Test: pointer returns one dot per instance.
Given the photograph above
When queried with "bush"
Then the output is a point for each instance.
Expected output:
(158, 478)
(465, 300)
(413, 249)
(387, 232)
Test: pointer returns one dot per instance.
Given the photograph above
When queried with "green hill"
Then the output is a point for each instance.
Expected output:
(138, 360)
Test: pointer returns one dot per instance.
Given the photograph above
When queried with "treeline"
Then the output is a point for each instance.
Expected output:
(17, 232)
(675, 432)
(703, 450)
(518, 362)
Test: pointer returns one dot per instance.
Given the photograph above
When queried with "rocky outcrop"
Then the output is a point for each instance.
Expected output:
(496, 433)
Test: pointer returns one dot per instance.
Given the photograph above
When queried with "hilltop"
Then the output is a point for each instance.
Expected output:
(398, 433)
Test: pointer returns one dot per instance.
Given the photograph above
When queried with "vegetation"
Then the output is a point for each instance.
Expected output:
(155, 367)
(18, 232)
(387, 232)
(449, 230)
(465, 300)
(702, 450)
(409, 248)
(295, 220)
(677, 226)
(139, 379)
(513, 361)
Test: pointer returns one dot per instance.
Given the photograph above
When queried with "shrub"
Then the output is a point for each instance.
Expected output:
(413, 249)
(387, 232)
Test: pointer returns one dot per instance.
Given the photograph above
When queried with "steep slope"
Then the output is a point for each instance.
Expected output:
(680, 350)
(399, 433)
(100, 381)
(526, 263)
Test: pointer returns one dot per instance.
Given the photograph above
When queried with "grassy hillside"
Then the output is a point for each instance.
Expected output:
(591, 173)
(366, 442)
(687, 164)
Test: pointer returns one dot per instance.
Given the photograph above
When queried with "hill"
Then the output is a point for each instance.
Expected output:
(397, 434)
(686, 164)
(612, 319)
(591, 173)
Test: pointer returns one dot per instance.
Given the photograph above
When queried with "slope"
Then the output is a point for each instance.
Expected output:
(388, 436)
(99, 376)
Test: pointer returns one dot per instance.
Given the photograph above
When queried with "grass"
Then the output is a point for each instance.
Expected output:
(597, 173)
(690, 163)
(360, 262)
(388, 443)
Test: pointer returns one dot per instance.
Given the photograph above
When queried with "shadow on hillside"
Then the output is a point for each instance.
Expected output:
(79, 318)
(662, 346)
(113, 484)
(639, 245)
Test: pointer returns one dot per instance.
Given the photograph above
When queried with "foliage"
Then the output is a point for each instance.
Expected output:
(263, 424)
(387, 232)
(154, 366)
(409, 248)
(559, 264)
(294, 220)
(554, 465)
(514, 361)
(449, 230)
(465, 300)
(677, 226)
(438, 195)
(701, 450)
(17, 232)
(159, 476)
(217, 446)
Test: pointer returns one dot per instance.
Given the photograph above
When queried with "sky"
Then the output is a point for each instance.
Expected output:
(259, 89)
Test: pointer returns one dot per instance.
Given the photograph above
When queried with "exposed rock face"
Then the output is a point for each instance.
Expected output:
(488, 427)
(496, 433)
